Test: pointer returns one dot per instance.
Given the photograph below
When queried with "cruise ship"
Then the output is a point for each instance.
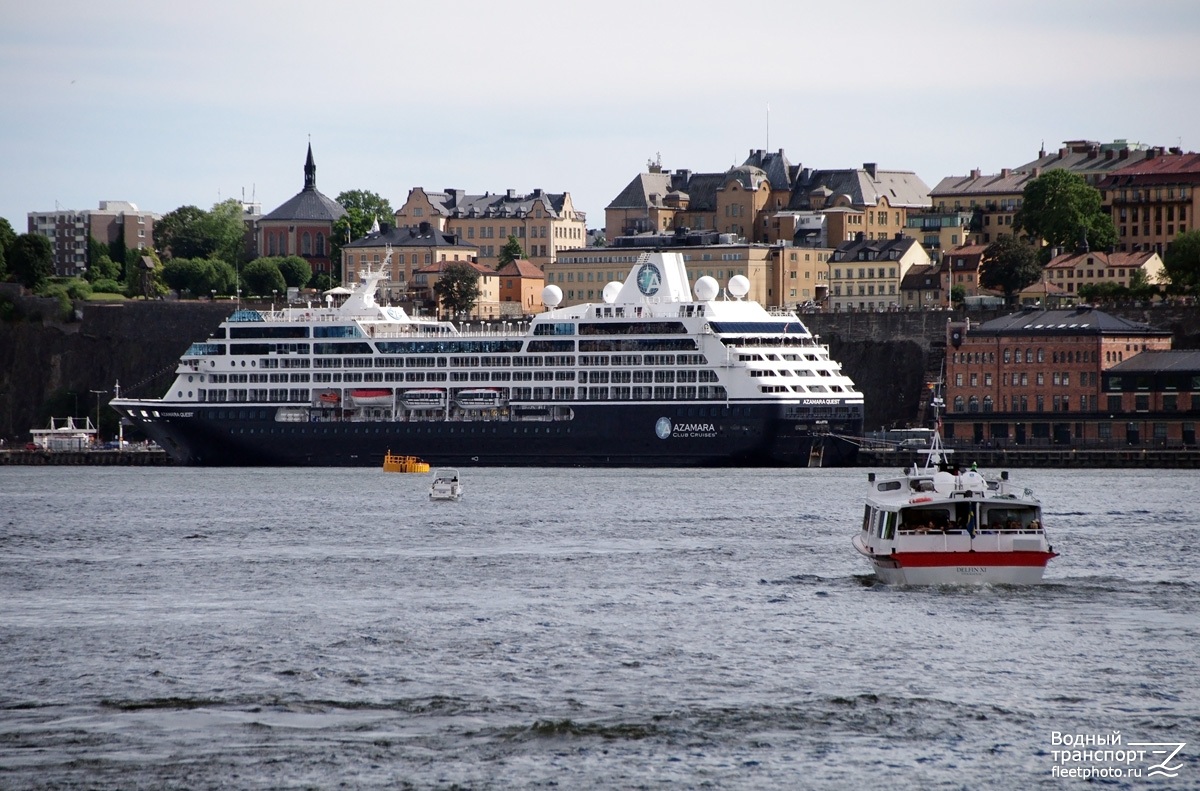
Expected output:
(654, 376)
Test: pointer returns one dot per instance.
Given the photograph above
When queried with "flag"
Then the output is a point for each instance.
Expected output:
(971, 523)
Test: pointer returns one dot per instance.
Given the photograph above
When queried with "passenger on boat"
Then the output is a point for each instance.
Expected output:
(1035, 525)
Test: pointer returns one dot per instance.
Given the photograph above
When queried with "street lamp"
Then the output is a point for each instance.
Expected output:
(274, 292)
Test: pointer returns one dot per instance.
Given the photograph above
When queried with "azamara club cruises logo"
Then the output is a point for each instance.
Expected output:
(664, 429)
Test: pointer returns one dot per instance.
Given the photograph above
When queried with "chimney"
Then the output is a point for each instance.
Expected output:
(1062, 152)
(384, 227)
(1108, 154)
(424, 226)
(510, 193)
(1124, 153)
(1005, 173)
(870, 168)
(975, 173)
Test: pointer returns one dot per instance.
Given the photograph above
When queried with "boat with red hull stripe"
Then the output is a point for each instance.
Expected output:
(943, 525)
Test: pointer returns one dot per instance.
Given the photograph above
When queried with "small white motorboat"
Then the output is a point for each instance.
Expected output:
(446, 485)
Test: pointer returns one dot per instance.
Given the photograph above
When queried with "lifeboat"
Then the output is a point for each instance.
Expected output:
(480, 398)
(329, 398)
(430, 398)
(371, 397)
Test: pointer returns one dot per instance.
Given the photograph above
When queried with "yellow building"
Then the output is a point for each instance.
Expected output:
(411, 249)
(766, 198)
(487, 306)
(866, 274)
(1154, 200)
(1070, 271)
(543, 223)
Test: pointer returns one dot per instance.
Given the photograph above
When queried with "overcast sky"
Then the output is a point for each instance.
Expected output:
(165, 105)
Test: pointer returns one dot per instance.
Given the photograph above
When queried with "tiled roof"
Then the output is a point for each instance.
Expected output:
(1100, 258)
(1073, 321)
(437, 267)
(522, 268)
(1088, 157)
(1175, 360)
(457, 203)
(308, 205)
(421, 236)
(902, 188)
(1004, 183)
(1160, 169)
(921, 277)
(876, 249)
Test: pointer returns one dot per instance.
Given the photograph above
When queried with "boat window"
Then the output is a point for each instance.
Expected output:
(889, 527)
(866, 525)
(888, 486)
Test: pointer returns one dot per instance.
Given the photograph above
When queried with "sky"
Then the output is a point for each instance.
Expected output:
(166, 104)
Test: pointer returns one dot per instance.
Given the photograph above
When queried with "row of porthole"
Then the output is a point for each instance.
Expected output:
(213, 363)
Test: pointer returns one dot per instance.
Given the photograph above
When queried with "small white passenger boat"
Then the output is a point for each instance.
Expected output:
(939, 525)
(446, 485)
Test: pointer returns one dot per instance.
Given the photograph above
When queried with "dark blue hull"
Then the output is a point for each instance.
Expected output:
(601, 435)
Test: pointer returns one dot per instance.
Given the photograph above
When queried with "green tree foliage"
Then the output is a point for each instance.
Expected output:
(510, 252)
(7, 237)
(363, 209)
(103, 268)
(296, 271)
(957, 294)
(143, 274)
(1181, 263)
(190, 232)
(262, 276)
(199, 276)
(1009, 265)
(1062, 209)
(182, 274)
(457, 289)
(31, 260)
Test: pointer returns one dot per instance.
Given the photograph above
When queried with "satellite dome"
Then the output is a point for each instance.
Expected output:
(739, 286)
(610, 291)
(551, 296)
(706, 289)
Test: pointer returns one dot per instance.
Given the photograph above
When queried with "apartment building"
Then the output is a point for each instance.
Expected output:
(1034, 377)
(1153, 200)
(866, 274)
(1070, 271)
(994, 199)
(765, 200)
(939, 230)
(68, 231)
(544, 223)
(487, 306)
(411, 249)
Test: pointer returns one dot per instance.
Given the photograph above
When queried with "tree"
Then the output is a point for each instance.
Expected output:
(31, 259)
(1181, 263)
(182, 274)
(363, 209)
(1009, 265)
(190, 232)
(510, 252)
(458, 288)
(143, 274)
(1062, 209)
(296, 271)
(7, 237)
(262, 276)
(958, 293)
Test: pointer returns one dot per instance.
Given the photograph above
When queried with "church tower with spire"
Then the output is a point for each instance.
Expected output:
(303, 225)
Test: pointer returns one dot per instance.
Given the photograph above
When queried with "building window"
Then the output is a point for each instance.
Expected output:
(306, 244)
(320, 244)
